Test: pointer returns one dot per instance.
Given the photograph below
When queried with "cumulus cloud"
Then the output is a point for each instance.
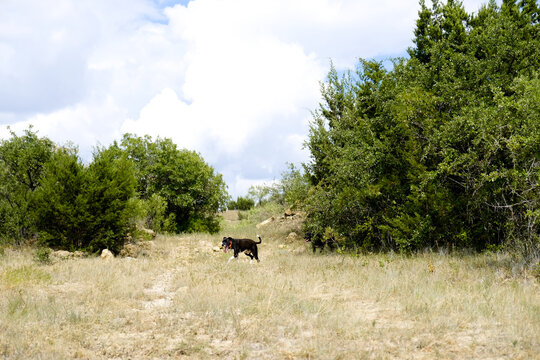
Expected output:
(76, 124)
(46, 46)
(234, 80)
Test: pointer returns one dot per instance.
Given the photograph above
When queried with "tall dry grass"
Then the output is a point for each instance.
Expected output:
(184, 301)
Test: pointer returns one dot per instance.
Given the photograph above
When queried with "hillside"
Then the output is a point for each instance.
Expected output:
(183, 300)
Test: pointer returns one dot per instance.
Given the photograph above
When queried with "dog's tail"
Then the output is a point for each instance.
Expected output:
(260, 240)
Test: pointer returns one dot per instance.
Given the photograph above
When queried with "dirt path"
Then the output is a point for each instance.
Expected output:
(184, 301)
(161, 293)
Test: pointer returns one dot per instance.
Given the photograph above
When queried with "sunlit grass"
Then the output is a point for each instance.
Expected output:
(185, 301)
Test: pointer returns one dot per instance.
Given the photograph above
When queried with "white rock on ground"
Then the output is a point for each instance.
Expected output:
(265, 222)
(107, 254)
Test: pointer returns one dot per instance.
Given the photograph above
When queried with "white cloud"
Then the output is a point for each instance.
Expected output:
(85, 125)
(235, 80)
(165, 112)
(240, 185)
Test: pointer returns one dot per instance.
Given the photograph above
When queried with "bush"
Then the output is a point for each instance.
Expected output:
(111, 184)
(46, 192)
(290, 191)
(261, 212)
(61, 203)
(85, 208)
(192, 192)
(43, 255)
(21, 163)
(241, 203)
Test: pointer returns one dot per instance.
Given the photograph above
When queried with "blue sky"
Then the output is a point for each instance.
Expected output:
(235, 80)
(169, 3)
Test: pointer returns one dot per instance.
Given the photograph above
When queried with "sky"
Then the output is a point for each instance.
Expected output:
(235, 80)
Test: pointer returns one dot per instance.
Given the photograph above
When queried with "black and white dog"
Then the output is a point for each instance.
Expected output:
(247, 246)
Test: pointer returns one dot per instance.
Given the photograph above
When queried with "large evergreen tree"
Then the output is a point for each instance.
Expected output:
(21, 165)
(85, 207)
(444, 149)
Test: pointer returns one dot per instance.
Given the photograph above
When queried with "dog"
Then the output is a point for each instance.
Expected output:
(247, 246)
(317, 241)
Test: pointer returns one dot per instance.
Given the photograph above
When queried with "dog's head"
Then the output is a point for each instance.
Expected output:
(307, 237)
(226, 244)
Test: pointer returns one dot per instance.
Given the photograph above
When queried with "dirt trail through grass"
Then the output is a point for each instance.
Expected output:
(160, 293)
(184, 301)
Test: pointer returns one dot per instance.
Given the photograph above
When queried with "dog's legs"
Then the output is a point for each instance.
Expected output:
(232, 257)
(256, 255)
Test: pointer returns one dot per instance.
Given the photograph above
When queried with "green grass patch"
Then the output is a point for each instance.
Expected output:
(24, 275)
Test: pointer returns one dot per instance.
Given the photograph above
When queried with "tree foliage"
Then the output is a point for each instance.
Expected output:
(191, 189)
(290, 191)
(443, 150)
(21, 164)
(48, 194)
(241, 203)
(85, 207)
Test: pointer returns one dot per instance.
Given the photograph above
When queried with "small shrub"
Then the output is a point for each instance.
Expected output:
(43, 255)
(243, 215)
(143, 234)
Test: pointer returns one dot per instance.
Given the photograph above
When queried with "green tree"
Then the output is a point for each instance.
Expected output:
(61, 204)
(110, 185)
(260, 194)
(21, 165)
(192, 190)
(155, 216)
(241, 203)
(289, 191)
(443, 149)
(85, 208)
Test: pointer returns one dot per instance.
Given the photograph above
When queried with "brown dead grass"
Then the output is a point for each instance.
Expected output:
(185, 301)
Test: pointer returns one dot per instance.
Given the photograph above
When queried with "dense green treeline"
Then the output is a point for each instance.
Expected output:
(444, 149)
(47, 193)
(241, 203)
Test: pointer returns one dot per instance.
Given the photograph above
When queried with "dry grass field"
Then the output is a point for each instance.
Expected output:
(182, 300)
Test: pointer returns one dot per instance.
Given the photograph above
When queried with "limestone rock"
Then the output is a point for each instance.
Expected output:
(289, 212)
(265, 222)
(150, 232)
(130, 250)
(136, 249)
(62, 254)
(292, 237)
(107, 254)
(146, 245)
